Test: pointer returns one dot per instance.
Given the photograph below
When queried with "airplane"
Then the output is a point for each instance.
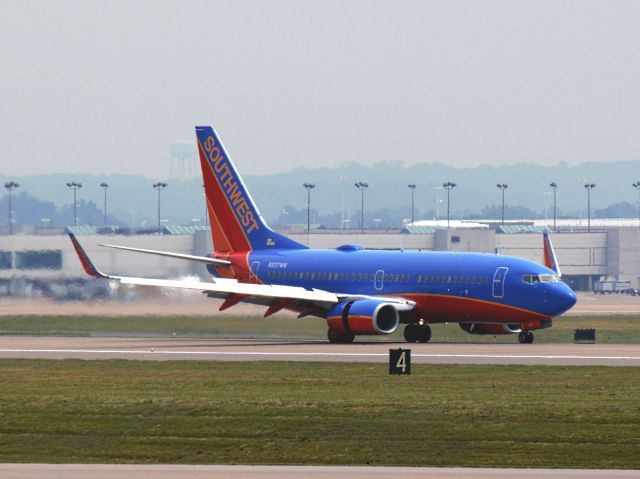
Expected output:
(357, 291)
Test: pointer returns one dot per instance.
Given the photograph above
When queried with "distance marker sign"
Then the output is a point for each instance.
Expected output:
(400, 361)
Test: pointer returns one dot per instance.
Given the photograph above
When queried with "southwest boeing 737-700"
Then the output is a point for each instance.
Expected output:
(357, 291)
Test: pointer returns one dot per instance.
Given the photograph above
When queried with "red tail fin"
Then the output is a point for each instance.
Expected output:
(236, 224)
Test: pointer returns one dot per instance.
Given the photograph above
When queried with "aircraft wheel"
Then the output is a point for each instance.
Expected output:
(412, 333)
(337, 338)
(425, 333)
(333, 336)
(348, 338)
(525, 337)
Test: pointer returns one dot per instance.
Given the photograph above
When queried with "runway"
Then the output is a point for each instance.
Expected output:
(162, 349)
(108, 471)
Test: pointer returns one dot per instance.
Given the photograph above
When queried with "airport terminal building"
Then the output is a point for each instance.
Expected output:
(42, 262)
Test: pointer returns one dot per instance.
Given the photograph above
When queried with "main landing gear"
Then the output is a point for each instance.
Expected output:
(341, 338)
(417, 333)
(525, 337)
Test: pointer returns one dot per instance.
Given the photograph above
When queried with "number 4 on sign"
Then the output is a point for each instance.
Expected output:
(400, 361)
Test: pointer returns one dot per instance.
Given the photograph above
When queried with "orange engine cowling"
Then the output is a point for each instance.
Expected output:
(363, 317)
(480, 328)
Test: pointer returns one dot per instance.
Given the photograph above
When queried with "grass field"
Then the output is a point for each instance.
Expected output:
(318, 413)
(609, 329)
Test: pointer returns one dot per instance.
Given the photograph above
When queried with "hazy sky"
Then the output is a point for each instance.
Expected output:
(106, 86)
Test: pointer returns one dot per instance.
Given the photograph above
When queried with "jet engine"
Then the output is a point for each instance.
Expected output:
(483, 328)
(365, 316)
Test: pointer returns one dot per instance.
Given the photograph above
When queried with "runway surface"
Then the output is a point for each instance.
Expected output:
(78, 471)
(282, 350)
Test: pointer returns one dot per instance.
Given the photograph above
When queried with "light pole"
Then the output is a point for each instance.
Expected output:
(309, 187)
(412, 187)
(555, 187)
(75, 186)
(502, 186)
(10, 186)
(636, 185)
(342, 179)
(448, 186)
(158, 187)
(362, 186)
(589, 187)
(104, 186)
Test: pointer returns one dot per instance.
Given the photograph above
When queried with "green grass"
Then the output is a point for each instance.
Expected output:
(318, 413)
(609, 329)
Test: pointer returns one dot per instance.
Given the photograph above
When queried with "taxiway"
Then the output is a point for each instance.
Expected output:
(293, 350)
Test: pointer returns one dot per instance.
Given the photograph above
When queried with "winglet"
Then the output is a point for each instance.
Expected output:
(88, 266)
(550, 260)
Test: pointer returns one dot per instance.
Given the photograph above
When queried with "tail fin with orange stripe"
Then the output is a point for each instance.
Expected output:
(236, 224)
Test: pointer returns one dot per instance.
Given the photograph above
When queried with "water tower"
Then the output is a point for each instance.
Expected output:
(183, 160)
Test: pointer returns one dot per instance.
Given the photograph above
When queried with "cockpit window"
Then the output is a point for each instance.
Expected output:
(540, 278)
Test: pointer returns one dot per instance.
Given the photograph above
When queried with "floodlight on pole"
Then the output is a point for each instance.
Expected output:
(105, 186)
(361, 185)
(75, 186)
(636, 185)
(589, 187)
(412, 187)
(10, 186)
(308, 187)
(449, 185)
(555, 187)
(502, 186)
(159, 187)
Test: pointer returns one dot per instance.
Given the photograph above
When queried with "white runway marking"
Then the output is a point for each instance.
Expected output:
(317, 354)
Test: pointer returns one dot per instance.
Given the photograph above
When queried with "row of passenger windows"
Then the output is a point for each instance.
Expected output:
(331, 276)
(388, 278)
(452, 279)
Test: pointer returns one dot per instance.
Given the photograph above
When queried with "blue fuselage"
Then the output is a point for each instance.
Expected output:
(446, 286)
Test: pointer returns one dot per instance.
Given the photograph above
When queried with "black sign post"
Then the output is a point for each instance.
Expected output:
(400, 361)
(584, 335)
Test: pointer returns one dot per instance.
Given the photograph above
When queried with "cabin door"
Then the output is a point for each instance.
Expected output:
(379, 280)
(498, 282)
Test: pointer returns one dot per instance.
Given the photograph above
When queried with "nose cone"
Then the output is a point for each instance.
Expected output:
(563, 299)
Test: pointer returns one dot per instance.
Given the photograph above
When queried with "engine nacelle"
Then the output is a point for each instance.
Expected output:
(363, 317)
(483, 328)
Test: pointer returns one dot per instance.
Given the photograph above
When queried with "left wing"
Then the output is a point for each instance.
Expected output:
(276, 297)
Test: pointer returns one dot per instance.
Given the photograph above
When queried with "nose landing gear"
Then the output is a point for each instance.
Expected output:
(525, 337)
(416, 333)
